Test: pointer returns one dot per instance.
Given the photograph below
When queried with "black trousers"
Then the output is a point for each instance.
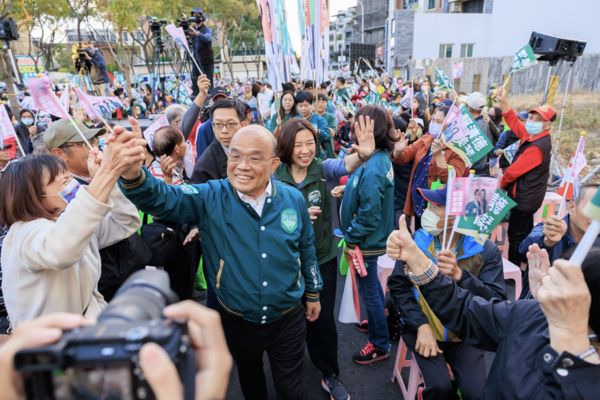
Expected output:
(520, 225)
(468, 367)
(208, 69)
(321, 335)
(284, 342)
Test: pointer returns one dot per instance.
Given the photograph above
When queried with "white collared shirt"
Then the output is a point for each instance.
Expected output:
(259, 203)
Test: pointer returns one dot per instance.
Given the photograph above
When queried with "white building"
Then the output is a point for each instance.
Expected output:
(342, 31)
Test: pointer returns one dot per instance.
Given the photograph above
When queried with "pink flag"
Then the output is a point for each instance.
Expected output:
(464, 191)
(458, 70)
(7, 130)
(85, 103)
(65, 98)
(177, 35)
(8, 137)
(44, 98)
(151, 130)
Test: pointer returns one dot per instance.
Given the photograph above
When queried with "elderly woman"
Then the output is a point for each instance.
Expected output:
(50, 256)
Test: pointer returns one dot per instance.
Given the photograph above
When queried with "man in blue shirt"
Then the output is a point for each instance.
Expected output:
(259, 255)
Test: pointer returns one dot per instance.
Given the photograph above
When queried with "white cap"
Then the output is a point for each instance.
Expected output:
(419, 121)
(476, 101)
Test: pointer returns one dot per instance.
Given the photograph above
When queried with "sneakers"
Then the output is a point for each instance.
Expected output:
(370, 354)
(363, 326)
(334, 387)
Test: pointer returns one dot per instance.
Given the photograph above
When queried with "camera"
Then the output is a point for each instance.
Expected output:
(83, 60)
(101, 361)
(8, 29)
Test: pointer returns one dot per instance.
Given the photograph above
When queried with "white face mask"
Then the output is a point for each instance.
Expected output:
(429, 222)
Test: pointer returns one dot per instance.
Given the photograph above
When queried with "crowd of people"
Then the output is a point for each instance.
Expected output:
(245, 189)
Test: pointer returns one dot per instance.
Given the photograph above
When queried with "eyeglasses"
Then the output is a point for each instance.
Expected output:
(93, 141)
(254, 160)
(218, 126)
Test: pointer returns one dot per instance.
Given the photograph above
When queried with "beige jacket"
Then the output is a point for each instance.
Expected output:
(51, 266)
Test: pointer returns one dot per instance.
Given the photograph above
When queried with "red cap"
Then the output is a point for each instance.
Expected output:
(548, 113)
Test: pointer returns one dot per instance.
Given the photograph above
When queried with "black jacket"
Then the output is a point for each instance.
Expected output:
(525, 366)
(482, 275)
(212, 164)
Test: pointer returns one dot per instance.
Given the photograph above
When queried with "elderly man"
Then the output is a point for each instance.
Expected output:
(259, 254)
(227, 117)
(527, 177)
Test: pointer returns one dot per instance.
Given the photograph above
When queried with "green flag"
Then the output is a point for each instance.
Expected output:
(481, 227)
(373, 98)
(523, 59)
(592, 210)
(464, 136)
(443, 80)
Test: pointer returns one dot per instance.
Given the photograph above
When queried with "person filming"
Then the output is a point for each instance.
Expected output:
(202, 47)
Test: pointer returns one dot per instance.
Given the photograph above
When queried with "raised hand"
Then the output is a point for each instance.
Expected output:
(554, 230)
(539, 263)
(364, 129)
(400, 243)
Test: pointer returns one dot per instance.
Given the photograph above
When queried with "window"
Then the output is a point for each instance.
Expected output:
(446, 50)
(476, 83)
(466, 50)
(432, 4)
(125, 37)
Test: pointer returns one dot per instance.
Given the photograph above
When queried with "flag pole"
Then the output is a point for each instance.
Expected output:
(586, 243)
(571, 177)
(449, 184)
(457, 219)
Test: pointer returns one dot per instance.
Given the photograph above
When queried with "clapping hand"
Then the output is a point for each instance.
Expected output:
(539, 263)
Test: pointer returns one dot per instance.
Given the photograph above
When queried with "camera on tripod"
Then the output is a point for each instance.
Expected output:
(156, 30)
(102, 361)
(8, 29)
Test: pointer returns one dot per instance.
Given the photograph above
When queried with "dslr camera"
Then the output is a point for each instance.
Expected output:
(101, 361)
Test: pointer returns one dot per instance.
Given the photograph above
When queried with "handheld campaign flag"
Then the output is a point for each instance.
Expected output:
(523, 59)
(65, 98)
(481, 226)
(406, 101)
(592, 210)
(571, 178)
(177, 35)
(464, 136)
(510, 151)
(44, 98)
(86, 105)
(180, 40)
(443, 80)
(8, 136)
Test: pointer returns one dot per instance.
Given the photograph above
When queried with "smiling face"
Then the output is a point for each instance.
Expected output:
(287, 102)
(229, 123)
(305, 148)
(251, 160)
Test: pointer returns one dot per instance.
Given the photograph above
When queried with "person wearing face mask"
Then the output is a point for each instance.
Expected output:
(560, 235)
(527, 177)
(475, 268)
(430, 160)
(26, 130)
(51, 254)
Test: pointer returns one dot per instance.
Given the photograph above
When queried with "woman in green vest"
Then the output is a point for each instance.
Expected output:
(296, 148)
(287, 110)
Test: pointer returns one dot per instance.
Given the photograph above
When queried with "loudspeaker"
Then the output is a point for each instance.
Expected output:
(358, 51)
(553, 48)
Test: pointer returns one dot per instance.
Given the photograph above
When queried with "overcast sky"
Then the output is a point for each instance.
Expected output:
(291, 7)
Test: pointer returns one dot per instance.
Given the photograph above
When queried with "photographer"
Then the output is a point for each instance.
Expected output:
(99, 74)
(212, 356)
(202, 48)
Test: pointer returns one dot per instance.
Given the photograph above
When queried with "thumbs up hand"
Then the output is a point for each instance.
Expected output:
(400, 244)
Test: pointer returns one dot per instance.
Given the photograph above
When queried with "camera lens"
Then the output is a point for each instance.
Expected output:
(142, 297)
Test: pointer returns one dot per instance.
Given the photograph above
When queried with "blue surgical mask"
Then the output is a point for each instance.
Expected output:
(27, 121)
(435, 129)
(534, 128)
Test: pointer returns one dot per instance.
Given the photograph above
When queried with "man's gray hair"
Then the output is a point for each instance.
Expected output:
(174, 111)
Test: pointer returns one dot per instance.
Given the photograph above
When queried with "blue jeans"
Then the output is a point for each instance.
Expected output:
(372, 296)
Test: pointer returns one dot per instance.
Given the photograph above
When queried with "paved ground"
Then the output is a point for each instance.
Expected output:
(363, 382)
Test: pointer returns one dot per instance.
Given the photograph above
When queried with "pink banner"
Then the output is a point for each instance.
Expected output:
(458, 70)
(177, 35)
(65, 99)
(7, 130)
(44, 98)
(471, 196)
(85, 103)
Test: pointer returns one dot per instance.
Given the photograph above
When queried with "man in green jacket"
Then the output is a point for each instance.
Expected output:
(260, 257)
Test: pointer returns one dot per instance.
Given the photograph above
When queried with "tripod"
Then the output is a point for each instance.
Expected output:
(159, 74)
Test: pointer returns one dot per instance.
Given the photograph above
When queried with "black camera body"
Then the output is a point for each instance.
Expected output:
(101, 361)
